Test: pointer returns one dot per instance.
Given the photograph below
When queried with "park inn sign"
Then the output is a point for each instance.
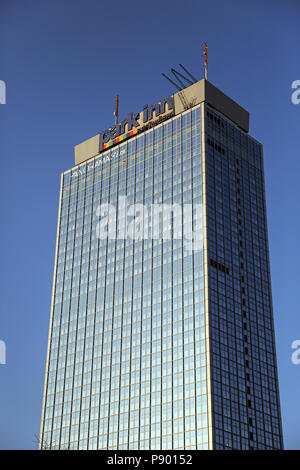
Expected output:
(136, 122)
(151, 116)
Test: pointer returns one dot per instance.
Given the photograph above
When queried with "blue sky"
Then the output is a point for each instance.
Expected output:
(63, 62)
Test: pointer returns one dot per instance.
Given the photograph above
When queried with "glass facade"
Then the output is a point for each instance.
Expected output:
(245, 403)
(127, 357)
(152, 345)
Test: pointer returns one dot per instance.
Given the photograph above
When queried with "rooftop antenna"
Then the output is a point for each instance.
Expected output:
(173, 83)
(205, 61)
(116, 113)
(190, 75)
(178, 74)
(180, 85)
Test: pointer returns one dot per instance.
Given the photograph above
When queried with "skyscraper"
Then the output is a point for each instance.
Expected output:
(161, 332)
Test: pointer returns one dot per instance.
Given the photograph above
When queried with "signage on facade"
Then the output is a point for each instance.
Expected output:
(137, 122)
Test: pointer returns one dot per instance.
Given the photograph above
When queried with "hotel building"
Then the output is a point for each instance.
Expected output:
(154, 344)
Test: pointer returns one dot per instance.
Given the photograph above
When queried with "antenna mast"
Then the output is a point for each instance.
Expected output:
(116, 113)
(205, 61)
